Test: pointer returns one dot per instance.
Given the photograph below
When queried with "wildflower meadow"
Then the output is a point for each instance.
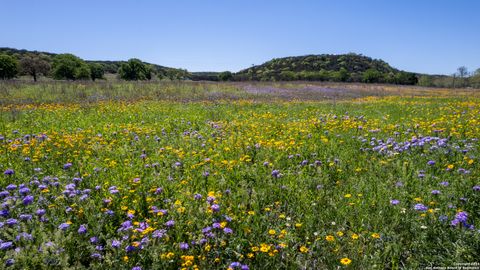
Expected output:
(203, 178)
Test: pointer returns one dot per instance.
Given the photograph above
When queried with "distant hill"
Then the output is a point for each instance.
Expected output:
(327, 67)
(109, 66)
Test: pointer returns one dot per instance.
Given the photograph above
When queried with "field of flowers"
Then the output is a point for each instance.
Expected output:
(369, 183)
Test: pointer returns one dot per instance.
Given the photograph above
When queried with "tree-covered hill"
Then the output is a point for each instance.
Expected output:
(327, 67)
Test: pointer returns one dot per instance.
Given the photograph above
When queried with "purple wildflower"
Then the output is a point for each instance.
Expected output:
(11, 222)
(159, 233)
(394, 202)
(4, 194)
(11, 187)
(9, 172)
(25, 217)
(420, 207)
(235, 264)
(64, 226)
(116, 243)
(6, 245)
(24, 235)
(24, 191)
(207, 229)
(9, 262)
(454, 222)
(4, 213)
(215, 207)
(442, 218)
(170, 223)
(96, 256)
(184, 246)
(462, 216)
(82, 229)
(130, 248)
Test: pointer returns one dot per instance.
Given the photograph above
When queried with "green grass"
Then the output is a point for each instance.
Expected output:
(329, 184)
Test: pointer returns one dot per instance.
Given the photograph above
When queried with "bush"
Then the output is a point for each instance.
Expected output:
(225, 76)
(96, 71)
(134, 70)
(371, 76)
(69, 67)
(8, 67)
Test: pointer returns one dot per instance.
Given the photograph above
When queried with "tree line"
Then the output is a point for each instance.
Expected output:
(335, 68)
(461, 78)
(70, 67)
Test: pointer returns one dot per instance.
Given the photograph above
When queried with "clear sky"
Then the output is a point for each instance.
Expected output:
(428, 36)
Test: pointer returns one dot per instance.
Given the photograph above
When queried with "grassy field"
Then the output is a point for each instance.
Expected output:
(238, 176)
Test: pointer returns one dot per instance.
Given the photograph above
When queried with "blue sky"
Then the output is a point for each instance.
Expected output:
(429, 36)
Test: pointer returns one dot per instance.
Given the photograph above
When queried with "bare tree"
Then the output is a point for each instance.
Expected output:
(462, 72)
(34, 65)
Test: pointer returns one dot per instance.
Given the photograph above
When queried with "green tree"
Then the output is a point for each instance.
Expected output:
(134, 70)
(96, 71)
(425, 80)
(83, 72)
(341, 76)
(288, 75)
(8, 67)
(35, 65)
(149, 70)
(225, 76)
(371, 76)
(69, 67)
(407, 78)
(474, 80)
